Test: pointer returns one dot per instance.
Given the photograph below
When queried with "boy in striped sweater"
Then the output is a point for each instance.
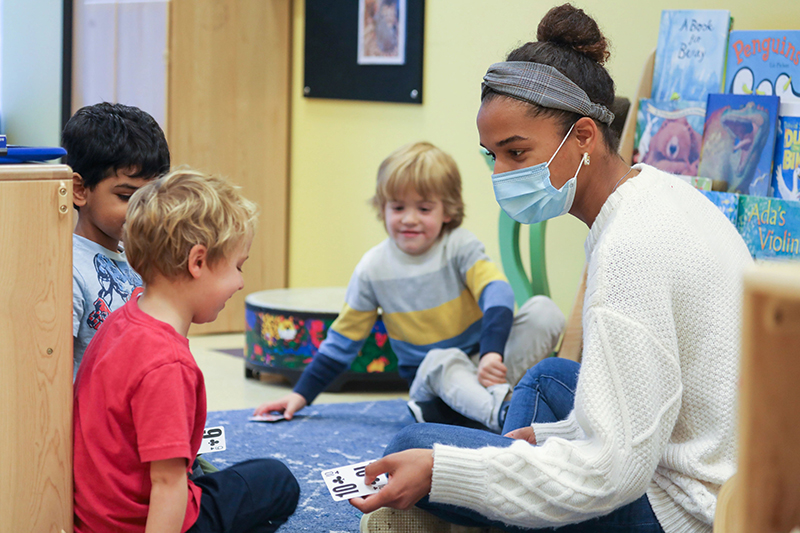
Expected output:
(448, 310)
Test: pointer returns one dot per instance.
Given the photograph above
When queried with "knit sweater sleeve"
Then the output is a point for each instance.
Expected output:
(626, 405)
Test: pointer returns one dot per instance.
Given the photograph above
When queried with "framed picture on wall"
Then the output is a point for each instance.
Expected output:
(381, 32)
(364, 50)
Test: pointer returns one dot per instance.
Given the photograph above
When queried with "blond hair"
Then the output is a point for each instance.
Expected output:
(170, 215)
(427, 170)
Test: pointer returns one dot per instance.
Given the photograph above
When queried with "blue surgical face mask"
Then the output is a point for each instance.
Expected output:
(527, 196)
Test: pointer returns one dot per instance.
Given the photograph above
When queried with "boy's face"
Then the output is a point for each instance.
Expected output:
(413, 222)
(102, 210)
(220, 283)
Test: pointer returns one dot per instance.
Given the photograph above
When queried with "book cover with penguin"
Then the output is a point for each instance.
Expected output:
(765, 62)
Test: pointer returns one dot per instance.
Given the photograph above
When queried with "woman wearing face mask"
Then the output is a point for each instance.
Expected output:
(641, 435)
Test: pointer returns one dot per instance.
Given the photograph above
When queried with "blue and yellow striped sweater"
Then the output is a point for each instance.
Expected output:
(452, 296)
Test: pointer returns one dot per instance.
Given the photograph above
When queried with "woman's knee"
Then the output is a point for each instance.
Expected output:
(414, 436)
(550, 367)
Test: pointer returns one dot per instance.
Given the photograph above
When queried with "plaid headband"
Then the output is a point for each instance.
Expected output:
(545, 86)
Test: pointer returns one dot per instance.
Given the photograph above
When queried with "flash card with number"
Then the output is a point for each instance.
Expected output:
(346, 482)
(213, 440)
(267, 417)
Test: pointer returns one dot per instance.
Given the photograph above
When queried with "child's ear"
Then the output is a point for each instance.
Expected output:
(198, 257)
(78, 190)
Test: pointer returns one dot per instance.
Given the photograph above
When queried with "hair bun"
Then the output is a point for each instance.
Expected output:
(566, 25)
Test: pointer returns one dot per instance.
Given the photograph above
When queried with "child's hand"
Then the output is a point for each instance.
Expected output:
(491, 370)
(288, 405)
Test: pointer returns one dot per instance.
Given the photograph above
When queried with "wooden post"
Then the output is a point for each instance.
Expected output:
(767, 488)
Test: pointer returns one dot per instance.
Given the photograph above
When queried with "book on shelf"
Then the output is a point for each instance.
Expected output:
(770, 227)
(739, 142)
(786, 165)
(698, 182)
(765, 62)
(727, 202)
(669, 135)
(690, 55)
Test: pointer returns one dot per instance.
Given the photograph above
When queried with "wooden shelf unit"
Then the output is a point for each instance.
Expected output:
(36, 348)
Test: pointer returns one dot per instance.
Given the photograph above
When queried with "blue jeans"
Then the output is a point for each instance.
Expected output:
(545, 394)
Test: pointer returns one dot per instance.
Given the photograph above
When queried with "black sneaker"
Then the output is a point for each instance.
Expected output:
(438, 412)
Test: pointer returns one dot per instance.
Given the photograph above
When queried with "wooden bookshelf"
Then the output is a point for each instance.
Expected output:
(644, 90)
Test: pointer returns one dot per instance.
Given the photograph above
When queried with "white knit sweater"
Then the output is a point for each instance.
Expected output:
(655, 404)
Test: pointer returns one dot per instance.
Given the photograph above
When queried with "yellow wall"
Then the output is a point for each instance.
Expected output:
(337, 145)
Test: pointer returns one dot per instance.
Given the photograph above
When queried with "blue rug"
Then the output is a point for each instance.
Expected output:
(319, 437)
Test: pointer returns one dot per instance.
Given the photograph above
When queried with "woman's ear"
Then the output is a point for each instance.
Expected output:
(587, 134)
(79, 190)
(198, 257)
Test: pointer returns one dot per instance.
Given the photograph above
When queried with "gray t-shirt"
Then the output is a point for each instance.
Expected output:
(102, 281)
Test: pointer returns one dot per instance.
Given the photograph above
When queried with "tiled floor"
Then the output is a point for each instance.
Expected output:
(227, 388)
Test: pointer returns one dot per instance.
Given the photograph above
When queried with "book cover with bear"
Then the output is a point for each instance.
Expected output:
(690, 55)
(739, 142)
(669, 135)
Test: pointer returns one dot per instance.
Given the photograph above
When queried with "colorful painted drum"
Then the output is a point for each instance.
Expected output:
(284, 328)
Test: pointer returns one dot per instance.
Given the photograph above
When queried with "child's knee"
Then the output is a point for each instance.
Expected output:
(543, 313)
(281, 476)
(438, 361)
(444, 356)
(271, 476)
(287, 486)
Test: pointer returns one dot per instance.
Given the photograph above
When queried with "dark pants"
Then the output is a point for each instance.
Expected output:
(255, 496)
(545, 394)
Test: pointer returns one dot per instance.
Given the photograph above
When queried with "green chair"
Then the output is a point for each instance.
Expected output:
(523, 286)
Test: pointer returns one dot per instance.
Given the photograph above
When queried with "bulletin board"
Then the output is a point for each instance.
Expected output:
(364, 50)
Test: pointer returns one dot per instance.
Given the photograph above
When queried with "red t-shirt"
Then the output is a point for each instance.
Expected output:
(139, 396)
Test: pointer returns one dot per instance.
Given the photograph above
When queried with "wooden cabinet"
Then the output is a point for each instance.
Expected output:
(36, 348)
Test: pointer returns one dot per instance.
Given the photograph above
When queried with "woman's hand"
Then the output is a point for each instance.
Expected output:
(410, 473)
(525, 433)
(491, 370)
(288, 405)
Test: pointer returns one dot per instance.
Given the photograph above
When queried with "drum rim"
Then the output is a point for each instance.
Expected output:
(288, 309)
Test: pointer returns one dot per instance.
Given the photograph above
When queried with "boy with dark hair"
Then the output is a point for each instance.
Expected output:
(113, 150)
(139, 401)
